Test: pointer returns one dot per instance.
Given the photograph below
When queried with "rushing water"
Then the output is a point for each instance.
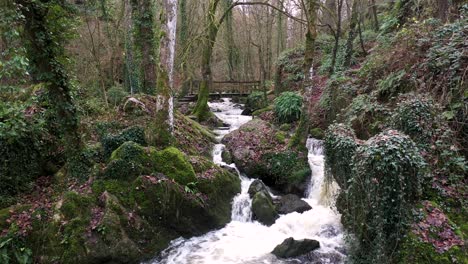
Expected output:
(244, 241)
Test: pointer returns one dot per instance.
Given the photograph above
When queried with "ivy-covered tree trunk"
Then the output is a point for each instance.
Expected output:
(337, 37)
(232, 53)
(201, 110)
(374, 15)
(46, 53)
(182, 46)
(302, 132)
(352, 33)
(143, 19)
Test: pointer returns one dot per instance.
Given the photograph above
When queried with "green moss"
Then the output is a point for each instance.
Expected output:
(219, 189)
(285, 127)
(112, 142)
(76, 205)
(173, 163)
(287, 170)
(317, 133)
(263, 110)
(280, 137)
(119, 188)
(415, 251)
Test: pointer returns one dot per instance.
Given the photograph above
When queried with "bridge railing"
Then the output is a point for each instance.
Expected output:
(227, 87)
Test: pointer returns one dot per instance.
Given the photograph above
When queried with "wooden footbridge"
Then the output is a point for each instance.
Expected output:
(222, 89)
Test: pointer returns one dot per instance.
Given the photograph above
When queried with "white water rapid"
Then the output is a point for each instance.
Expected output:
(244, 241)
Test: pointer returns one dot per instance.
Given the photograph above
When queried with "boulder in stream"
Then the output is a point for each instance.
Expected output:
(258, 186)
(263, 209)
(292, 203)
(291, 248)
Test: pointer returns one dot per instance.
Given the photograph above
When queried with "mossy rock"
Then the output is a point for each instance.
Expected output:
(226, 156)
(174, 164)
(165, 203)
(287, 171)
(76, 205)
(219, 187)
(317, 133)
(263, 209)
(112, 142)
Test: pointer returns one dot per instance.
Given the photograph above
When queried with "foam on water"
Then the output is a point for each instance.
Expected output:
(244, 241)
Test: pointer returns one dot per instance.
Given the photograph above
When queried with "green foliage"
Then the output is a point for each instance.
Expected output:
(13, 249)
(340, 146)
(23, 148)
(317, 133)
(289, 69)
(111, 142)
(446, 59)
(13, 60)
(81, 166)
(336, 96)
(256, 101)
(386, 183)
(392, 85)
(116, 94)
(416, 117)
(288, 107)
(327, 58)
(286, 168)
(366, 116)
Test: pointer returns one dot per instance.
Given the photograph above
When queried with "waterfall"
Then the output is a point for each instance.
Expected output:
(244, 241)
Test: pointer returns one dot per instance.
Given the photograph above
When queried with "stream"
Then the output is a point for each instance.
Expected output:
(243, 241)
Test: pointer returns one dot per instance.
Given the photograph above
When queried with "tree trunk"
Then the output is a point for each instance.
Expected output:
(442, 10)
(302, 132)
(165, 108)
(329, 15)
(374, 15)
(337, 37)
(45, 55)
(143, 18)
(201, 110)
(352, 34)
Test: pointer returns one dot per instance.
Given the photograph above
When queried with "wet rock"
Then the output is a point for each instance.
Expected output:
(247, 112)
(230, 169)
(263, 209)
(226, 156)
(293, 248)
(258, 153)
(257, 186)
(292, 203)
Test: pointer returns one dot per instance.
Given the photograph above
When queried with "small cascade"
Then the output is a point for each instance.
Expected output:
(244, 241)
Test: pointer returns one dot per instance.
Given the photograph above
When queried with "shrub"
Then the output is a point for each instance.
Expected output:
(288, 107)
(112, 142)
(340, 146)
(256, 100)
(394, 84)
(416, 117)
(387, 174)
(116, 94)
(23, 148)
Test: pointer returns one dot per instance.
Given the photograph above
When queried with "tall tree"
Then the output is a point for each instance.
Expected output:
(45, 35)
(144, 43)
(353, 23)
(165, 105)
(374, 15)
(302, 132)
(232, 53)
(337, 35)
